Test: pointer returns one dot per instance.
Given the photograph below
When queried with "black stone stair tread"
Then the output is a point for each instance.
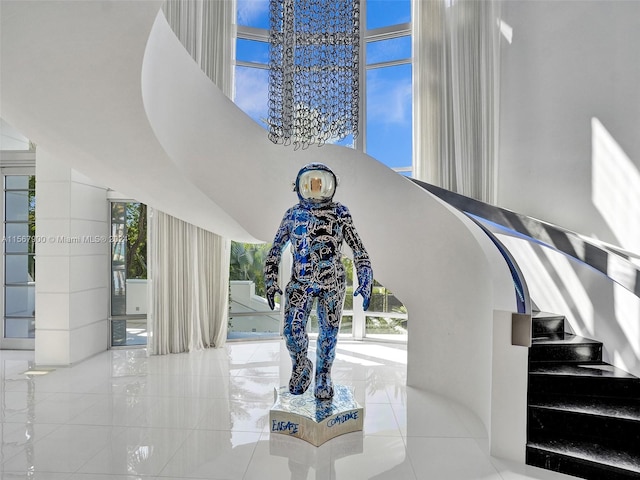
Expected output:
(563, 339)
(592, 406)
(572, 392)
(595, 453)
(602, 369)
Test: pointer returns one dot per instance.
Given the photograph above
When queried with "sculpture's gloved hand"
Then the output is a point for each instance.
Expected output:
(365, 286)
(272, 290)
(366, 296)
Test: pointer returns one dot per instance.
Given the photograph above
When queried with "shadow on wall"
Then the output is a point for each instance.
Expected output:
(595, 306)
(615, 187)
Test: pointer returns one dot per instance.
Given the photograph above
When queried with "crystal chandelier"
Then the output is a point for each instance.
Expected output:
(313, 71)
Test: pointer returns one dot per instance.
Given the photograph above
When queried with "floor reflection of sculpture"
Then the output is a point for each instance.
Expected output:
(316, 228)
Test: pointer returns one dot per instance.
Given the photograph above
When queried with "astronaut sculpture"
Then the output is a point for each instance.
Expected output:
(316, 228)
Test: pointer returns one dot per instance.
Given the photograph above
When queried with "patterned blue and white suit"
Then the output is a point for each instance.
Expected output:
(316, 230)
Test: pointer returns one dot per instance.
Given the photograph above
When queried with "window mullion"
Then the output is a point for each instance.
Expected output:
(252, 33)
(243, 63)
(387, 33)
(390, 63)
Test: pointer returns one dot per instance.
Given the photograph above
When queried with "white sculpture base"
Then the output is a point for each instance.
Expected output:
(312, 420)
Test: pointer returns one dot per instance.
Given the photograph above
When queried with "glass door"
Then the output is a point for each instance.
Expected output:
(128, 274)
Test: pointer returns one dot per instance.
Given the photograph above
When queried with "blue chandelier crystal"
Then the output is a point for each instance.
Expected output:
(313, 71)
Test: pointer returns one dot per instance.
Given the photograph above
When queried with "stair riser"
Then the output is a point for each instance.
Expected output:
(542, 327)
(588, 353)
(579, 468)
(623, 388)
(622, 434)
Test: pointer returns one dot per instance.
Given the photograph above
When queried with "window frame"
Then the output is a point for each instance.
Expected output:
(13, 163)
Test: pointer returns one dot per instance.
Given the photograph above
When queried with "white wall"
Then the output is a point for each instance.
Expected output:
(571, 62)
(72, 266)
(11, 139)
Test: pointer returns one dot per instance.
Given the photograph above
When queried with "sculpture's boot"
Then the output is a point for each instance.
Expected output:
(325, 355)
(300, 375)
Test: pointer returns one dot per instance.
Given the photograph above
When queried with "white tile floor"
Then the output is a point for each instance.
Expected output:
(204, 415)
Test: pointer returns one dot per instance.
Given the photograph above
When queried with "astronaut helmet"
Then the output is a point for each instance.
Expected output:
(316, 184)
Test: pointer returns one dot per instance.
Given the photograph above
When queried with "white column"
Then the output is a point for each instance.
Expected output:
(72, 264)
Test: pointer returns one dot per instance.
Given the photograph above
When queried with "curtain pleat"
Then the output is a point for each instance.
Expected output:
(189, 270)
(456, 95)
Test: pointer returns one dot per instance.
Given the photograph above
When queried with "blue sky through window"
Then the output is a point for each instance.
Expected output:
(252, 92)
(252, 51)
(382, 13)
(389, 133)
(253, 13)
(389, 50)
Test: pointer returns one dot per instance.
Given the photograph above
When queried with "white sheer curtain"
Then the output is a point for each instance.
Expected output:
(188, 266)
(206, 28)
(456, 94)
(189, 271)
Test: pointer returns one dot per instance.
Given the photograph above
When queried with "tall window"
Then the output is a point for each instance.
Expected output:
(388, 124)
(385, 130)
(19, 256)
